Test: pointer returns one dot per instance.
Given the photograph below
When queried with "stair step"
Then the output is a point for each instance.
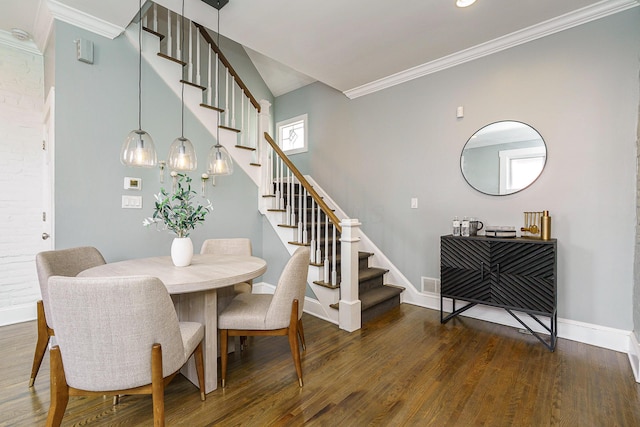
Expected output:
(171, 58)
(255, 164)
(228, 128)
(371, 273)
(378, 301)
(155, 33)
(197, 86)
(376, 296)
(211, 107)
(244, 147)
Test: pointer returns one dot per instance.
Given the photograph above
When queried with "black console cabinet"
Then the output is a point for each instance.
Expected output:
(516, 274)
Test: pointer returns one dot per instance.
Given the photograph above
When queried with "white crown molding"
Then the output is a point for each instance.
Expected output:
(555, 25)
(83, 20)
(43, 26)
(7, 39)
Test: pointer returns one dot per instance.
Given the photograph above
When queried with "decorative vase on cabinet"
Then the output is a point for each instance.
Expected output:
(181, 251)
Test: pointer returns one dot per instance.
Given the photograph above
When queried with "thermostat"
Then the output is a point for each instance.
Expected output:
(132, 183)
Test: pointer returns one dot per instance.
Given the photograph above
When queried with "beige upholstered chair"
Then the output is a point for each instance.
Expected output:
(234, 246)
(264, 314)
(64, 262)
(117, 335)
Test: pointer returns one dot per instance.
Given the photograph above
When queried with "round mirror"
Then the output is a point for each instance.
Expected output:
(503, 158)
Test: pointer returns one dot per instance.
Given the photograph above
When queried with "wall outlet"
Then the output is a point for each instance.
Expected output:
(414, 203)
(430, 285)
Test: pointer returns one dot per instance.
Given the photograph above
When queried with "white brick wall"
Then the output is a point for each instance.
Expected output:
(21, 180)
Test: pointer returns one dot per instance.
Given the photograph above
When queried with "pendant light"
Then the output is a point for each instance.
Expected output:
(138, 148)
(219, 161)
(182, 155)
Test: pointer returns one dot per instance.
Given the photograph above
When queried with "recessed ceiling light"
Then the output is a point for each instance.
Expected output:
(464, 3)
(19, 34)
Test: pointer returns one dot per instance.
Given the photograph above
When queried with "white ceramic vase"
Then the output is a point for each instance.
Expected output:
(181, 251)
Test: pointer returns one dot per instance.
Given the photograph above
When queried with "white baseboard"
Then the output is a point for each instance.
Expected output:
(17, 314)
(634, 356)
(588, 333)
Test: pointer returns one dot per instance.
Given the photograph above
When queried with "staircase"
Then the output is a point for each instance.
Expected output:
(376, 297)
(296, 208)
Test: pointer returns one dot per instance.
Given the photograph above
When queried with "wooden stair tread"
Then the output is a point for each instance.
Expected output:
(229, 128)
(256, 164)
(377, 295)
(155, 33)
(211, 107)
(172, 59)
(197, 86)
(244, 147)
(326, 284)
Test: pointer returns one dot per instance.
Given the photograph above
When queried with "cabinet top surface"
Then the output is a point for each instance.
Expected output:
(502, 239)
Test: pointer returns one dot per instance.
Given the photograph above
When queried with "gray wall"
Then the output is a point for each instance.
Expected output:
(578, 88)
(96, 107)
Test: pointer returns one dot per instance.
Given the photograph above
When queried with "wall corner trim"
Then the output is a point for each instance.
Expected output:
(83, 20)
(581, 16)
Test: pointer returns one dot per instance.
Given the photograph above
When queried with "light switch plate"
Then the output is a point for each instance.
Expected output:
(131, 202)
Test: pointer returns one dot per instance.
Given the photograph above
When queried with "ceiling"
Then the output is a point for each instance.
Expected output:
(355, 46)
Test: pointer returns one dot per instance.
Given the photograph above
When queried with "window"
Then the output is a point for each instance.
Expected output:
(292, 135)
(520, 167)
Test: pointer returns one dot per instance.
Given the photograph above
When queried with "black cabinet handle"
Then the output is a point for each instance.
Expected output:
(482, 271)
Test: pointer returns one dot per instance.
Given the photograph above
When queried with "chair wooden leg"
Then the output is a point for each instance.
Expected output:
(157, 385)
(293, 340)
(59, 389)
(41, 343)
(301, 334)
(199, 359)
(224, 353)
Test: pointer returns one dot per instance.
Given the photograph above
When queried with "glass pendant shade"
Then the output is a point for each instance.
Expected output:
(138, 150)
(220, 162)
(182, 155)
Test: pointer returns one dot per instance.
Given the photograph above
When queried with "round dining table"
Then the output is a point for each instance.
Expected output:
(199, 291)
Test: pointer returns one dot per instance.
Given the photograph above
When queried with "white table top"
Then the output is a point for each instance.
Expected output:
(205, 272)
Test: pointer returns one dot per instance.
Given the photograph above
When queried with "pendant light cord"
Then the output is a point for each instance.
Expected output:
(140, 65)
(218, 80)
(182, 55)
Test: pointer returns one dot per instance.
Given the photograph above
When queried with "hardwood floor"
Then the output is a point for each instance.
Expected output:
(401, 369)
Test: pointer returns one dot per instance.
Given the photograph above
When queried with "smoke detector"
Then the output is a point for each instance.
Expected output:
(19, 34)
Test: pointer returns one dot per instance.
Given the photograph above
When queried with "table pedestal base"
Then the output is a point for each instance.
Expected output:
(203, 307)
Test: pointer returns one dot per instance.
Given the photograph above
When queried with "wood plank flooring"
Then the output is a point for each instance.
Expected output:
(404, 368)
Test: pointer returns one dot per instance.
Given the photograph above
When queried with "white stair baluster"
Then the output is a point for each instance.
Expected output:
(249, 130)
(178, 38)
(169, 34)
(289, 210)
(326, 250)
(281, 205)
(300, 213)
(334, 271)
(198, 78)
(277, 185)
(209, 88)
(233, 103)
(217, 105)
(318, 250)
(155, 17)
(226, 98)
(313, 232)
(305, 234)
(241, 117)
(190, 63)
